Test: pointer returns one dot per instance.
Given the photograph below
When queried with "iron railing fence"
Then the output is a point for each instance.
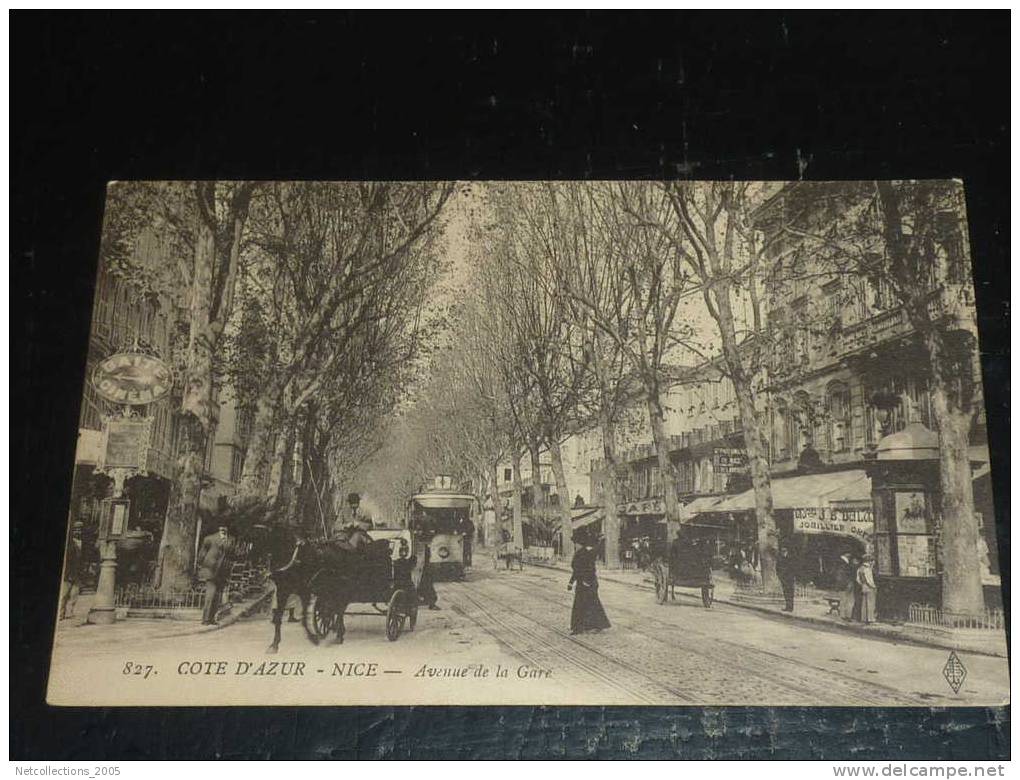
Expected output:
(244, 581)
(935, 617)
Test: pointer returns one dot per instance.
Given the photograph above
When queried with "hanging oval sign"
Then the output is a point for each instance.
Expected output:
(132, 378)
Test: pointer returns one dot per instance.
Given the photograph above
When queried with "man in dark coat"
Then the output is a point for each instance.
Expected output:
(787, 576)
(213, 568)
(426, 590)
(71, 582)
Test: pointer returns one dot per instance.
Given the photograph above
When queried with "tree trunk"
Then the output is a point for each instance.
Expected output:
(564, 493)
(610, 518)
(518, 494)
(768, 541)
(177, 545)
(537, 496)
(285, 468)
(497, 508)
(256, 459)
(656, 417)
(962, 592)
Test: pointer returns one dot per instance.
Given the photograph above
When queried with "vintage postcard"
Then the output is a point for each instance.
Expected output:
(580, 443)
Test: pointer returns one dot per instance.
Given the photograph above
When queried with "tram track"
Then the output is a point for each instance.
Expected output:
(758, 672)
(619, 675)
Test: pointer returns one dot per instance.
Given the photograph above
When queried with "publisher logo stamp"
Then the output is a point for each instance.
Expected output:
(954, 671)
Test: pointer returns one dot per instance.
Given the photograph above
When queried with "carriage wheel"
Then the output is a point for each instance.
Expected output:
(322, 620)
(661, 584)
(394, 617)
(707, 595)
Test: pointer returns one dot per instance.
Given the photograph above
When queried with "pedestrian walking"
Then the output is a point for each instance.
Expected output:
(587, 613)
(213, 567)
(426, 590)
(71, 581)
(787, 576)
(868, 588)
(850, 597)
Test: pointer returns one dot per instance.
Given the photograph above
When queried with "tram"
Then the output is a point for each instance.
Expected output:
(439, 516)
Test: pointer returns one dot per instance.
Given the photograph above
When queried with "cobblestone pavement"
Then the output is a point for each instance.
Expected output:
(516, 624)
(683, 653)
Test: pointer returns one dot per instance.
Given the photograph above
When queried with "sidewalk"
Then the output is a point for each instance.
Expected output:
(813, 610)
(163, 628)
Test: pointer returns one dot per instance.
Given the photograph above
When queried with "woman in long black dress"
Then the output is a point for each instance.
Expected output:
(587, 614)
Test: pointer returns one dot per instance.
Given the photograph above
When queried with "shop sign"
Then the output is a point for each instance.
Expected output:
(650, 506)
(728, 461)
(132, 378)
(126, 444)
(857, 523)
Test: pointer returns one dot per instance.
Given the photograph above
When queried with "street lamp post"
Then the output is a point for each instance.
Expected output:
(104, 607)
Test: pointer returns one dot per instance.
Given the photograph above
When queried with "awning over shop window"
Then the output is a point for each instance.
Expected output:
(699, 505)
(808, 490)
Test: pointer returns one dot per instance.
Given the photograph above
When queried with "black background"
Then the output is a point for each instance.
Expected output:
(440, 95)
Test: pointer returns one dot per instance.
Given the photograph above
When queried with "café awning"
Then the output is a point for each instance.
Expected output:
(699, 505)
(804, 491)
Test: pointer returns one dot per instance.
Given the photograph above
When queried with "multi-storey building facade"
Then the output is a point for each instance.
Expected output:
(125, 318)
(841, 366)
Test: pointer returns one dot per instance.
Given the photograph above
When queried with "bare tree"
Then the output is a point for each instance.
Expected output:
(709, 226)
(907, 241)
(329, 259)
(631, 294)
(205, 222)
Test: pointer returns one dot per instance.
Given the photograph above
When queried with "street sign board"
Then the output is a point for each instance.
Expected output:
(728, 461)
(126, 444)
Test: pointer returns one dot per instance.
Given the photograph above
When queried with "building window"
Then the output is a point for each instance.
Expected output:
(236, 465)
(245, 424)
(914, 405)
(781, 431)
(839, 417)
(801, 428)
(950, 247)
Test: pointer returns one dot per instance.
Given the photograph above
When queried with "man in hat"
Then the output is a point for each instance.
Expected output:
(787, 576)
(71, 582)
(351, 530)
(213, 568)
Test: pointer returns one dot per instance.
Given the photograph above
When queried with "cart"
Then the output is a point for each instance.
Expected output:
(383, 578)
(509, 555)
(688, 567)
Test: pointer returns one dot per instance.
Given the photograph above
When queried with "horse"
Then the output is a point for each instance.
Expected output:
(291, 571)
(314, 570)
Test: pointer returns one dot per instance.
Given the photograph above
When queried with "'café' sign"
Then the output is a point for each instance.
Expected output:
(651, 506)
(857, 523)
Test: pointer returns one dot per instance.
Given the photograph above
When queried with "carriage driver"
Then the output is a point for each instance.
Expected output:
(352, 529)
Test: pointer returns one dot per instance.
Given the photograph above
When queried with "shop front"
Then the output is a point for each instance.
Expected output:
(642, 531)
(819, 517)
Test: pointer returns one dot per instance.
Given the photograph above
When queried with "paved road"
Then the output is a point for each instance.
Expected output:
(502, 638)
(682, 653)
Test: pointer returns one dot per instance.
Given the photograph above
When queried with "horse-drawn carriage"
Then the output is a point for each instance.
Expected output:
(328, 578)
(688, 565)
(380, 576)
